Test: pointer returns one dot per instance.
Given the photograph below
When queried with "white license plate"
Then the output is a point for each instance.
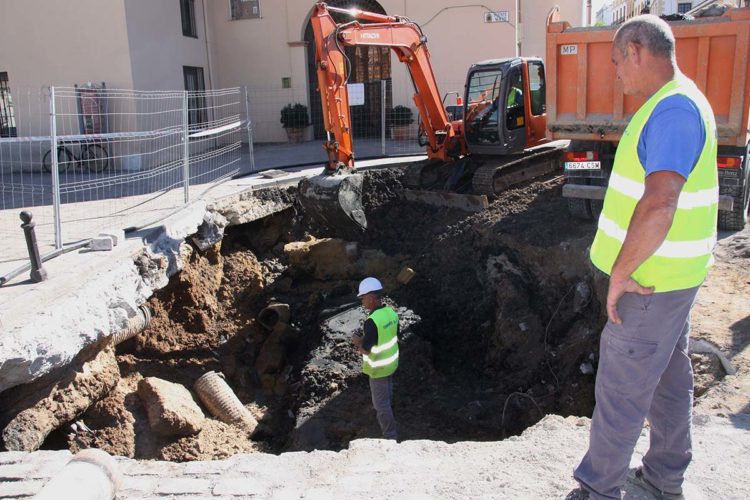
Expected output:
(583, 165)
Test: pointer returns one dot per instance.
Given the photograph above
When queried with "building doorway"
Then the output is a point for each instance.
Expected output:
(369, 65)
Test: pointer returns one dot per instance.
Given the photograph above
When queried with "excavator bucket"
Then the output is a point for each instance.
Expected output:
(335, 201)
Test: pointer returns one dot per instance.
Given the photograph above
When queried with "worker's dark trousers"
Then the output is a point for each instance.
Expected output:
(382, 398)
(644, 371)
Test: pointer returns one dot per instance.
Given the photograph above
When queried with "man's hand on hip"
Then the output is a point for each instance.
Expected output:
(618, 287)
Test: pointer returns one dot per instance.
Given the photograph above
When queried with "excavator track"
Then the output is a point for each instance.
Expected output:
(425, 181)
(493, 177)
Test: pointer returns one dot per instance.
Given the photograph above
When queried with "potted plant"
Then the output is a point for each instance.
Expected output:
(295, 120)
(399, 118)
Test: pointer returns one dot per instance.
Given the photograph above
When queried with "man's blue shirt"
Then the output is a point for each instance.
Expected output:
(673, 137)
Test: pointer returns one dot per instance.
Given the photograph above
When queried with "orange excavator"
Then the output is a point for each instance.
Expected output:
(499, 142)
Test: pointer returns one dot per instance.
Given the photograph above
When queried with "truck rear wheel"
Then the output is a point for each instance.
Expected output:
(738, 217)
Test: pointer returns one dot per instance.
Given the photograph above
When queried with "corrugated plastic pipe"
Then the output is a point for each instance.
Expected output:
(136, 324)
(92, 474)
(221, 401)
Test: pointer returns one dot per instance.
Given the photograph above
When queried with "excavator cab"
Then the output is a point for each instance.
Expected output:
(505, 106)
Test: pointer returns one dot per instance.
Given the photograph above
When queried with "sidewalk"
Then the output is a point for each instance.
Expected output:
(537, 464)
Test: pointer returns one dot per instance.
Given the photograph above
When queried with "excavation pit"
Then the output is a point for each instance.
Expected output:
(500, 319)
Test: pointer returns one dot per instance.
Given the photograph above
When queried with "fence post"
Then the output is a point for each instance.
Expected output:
(383, 93)
(249, 131)
(55, 169)
(186, 147)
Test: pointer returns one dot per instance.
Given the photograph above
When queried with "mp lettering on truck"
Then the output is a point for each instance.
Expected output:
(568, 50)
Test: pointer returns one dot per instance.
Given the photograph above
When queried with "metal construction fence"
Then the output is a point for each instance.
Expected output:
(286, 130)
(124, 158)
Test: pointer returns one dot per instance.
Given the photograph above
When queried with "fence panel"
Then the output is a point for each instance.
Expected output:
(125, 158)
(216, 139)
(24, 185)
(120, 155)
(275, 146)
(285, 135)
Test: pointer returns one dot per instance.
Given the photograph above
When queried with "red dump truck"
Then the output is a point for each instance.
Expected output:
(586, 105)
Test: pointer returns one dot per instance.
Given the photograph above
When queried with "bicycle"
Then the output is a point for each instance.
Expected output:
(93, 155)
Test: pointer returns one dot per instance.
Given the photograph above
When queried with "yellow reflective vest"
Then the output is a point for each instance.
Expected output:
(684, 257)
(383, 358)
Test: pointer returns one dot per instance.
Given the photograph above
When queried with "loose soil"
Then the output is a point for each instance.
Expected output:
(500, 326)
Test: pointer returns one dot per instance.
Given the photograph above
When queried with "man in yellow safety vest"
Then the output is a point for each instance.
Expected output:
(379, 348)
(655, 240)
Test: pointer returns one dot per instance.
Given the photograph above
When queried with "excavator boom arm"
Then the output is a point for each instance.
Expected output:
(408, 43)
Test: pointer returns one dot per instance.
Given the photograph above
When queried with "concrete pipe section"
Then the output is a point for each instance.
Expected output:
(92, 474)
(272, 314)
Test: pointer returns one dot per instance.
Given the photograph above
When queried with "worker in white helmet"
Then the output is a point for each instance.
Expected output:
(379, 348)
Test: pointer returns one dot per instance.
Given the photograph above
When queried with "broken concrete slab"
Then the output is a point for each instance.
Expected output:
(50, 338)
(171, 409)
(117, 235)
(87, 311)
(252, 205)
(42, 407)
(101, 244)
(211, 231)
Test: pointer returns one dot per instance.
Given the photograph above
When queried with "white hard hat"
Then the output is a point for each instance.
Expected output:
(369, 285)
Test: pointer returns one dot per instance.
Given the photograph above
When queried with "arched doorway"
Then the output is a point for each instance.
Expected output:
(370, 65)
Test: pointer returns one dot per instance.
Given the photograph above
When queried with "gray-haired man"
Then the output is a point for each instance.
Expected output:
(655, 238)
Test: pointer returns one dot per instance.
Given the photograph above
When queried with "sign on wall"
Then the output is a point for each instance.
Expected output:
(498, 16)
(356, 93)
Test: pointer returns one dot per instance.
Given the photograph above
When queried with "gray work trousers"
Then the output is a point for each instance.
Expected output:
(644, 372)
(381, 390)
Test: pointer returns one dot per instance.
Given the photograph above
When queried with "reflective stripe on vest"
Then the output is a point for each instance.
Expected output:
(684, 257)
(383, 358)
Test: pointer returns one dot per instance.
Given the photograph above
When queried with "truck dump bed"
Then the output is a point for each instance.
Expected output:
(585, 100)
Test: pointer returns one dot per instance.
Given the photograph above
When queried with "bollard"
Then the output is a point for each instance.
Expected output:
(37, 271)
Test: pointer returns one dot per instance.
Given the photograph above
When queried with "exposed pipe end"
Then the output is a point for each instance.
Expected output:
(136, 324)
(92, 474)
(272, 314)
